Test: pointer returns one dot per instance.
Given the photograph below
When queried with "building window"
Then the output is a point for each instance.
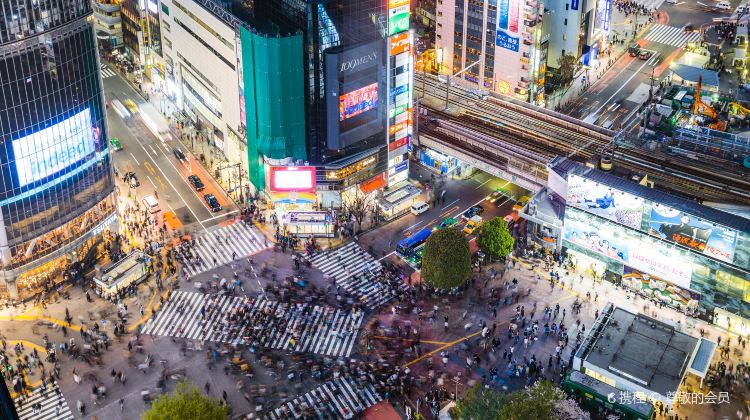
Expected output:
(566, 22)
(567, 6)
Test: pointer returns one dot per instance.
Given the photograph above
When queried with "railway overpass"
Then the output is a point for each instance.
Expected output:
(516, 140)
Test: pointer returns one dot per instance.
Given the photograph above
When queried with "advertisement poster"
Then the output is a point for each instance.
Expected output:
(503, 6)
(399, 44)
(602, 200)
(681, 228)
(513, 16)
(627, 246)
(666, 292)
(54, 148)
(506, 41)
(358, 101)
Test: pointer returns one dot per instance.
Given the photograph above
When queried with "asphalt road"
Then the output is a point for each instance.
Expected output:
(625, 86)
(157, 168)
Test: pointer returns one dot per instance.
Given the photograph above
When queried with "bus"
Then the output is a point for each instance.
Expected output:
(409, 246)
(595, 394)
(155, 122)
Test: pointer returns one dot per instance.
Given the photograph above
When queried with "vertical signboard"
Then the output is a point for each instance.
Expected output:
(507, 25)
(399, 71)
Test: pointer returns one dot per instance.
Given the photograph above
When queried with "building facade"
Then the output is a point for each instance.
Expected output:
(108, 24)
(224, 60)
(497, 42)
(577, 28)
(56, 180)
(688, 256)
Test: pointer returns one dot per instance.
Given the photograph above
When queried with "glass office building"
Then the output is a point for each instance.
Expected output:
(56, 180)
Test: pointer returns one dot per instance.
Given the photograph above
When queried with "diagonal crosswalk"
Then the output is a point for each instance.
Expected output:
(298, 327)
(340, 398)
(356, 271)
(217, 247)
(53, 406)
(107, 72)
(670, 35)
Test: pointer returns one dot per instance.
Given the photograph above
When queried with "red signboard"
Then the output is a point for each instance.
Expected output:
(398, 143)
(292, 179)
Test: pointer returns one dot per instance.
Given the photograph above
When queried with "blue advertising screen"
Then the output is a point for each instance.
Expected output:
(506, 41)
(50, 150)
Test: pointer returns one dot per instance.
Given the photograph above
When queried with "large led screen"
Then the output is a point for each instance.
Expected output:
(358, 101)
(54, 148)
(700, 235)
(627, 246)
(602, 200)
(292, 179)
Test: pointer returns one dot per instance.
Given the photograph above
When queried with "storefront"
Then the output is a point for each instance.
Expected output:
(439, 162)
(317, 224)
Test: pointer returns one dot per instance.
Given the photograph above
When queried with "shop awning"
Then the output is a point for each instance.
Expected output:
(373, 184)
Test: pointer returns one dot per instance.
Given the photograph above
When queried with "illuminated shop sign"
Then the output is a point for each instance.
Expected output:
(506, 41)
(605, 201)
(292, 179)
(398, 22)
(352, 169)
(54, 148)
(392, 4)
(627, 246)
(358, 101)
(699, 235)
(399, 44)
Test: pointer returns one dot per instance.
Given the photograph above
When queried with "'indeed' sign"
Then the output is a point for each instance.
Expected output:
(54, 148)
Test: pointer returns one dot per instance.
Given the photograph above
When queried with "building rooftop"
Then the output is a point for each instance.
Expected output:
(639, 349)
(565, 166)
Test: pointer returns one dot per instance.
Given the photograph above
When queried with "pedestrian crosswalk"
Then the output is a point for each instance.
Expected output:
(670, 35)
(107, 72)
(341, 398)
(297, 327)
(221, 246)
(356, 271)
(52, 406)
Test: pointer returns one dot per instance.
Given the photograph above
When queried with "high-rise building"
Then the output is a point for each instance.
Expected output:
(108, 23)
(577, 28)
(294, 83)
(141, 32)
(56, 180)
(496, 43)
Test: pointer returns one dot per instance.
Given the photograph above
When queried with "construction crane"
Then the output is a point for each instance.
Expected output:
(702, 108)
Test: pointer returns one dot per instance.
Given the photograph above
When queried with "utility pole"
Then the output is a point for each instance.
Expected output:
(448, 81)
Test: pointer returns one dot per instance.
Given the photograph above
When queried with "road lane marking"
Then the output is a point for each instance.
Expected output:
(414, 225)
(149, 167)
(450, 204)
(593, 114)
(180, 195)
(480, 185)
(136, 160)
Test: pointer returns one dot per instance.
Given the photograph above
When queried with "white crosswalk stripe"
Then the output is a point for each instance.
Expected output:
(341, 398)
(295, 327)
(670, 35)
(106, 72)
(219, 245)
(50, 402)
(357, 272)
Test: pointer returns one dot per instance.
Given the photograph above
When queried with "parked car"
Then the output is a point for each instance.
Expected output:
(474, 211)
(212, 202)
(196, 182)
(114, 142)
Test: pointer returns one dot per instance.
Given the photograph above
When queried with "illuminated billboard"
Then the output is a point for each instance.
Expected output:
(300, 179)
(358, 101)
(398, 20)
(400, 43)
(602, 200)
(627, 246)
(54, 148)
(699, 235)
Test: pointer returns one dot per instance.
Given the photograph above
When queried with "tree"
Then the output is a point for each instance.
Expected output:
(446, 262)
(566, 69)
(358, 204)
(479, 403)
(186, 402)
(568, 409)
(494, 238)
(538, 402)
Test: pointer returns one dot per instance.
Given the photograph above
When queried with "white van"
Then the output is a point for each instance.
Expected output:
(419, 207)
(151, 203)
(724, 6)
